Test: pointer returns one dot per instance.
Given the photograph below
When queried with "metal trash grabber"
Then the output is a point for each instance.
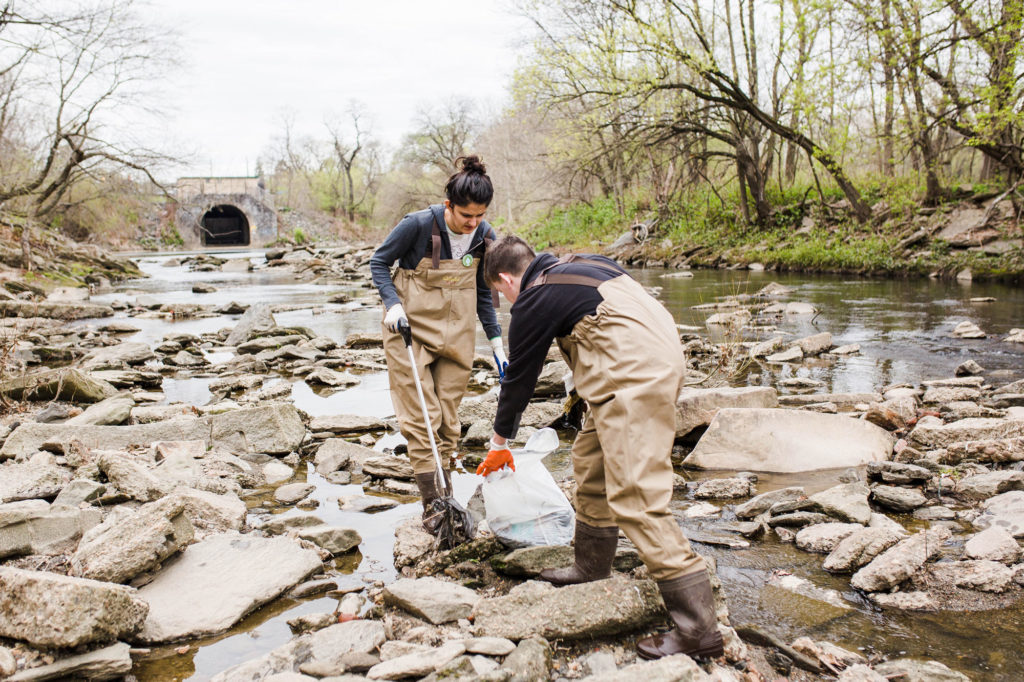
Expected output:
(454, 525)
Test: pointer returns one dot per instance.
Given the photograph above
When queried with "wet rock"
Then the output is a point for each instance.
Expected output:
(256, 318)
(797, 519)
(983, 486)
(531, 660)
(848, 349)
(736, 318)
(679, 668)
(290, 493)
(815, 344)
(968, 368)
(789, 355)
(859, 549)
(78, 611)
(275, 472)
(602, 607)
(787, 441)
(334, 539)
(58, 384)
(530, 561)
(898, 499)
(723, 488)
(341, 424)
(388, 466)
(847, 502)
(133, 542)
(328, 377)
(980, 575)
(896, 564)
(217, 581)
(701, 510)
(827, 653)
(696, 407)
(1015, 336)
(892, 414)
(262, 343)
(909, 670)
(437, 601)
(931, 432)
(760, 350)
(39, 477)
(823, 537)
(905, 601)
(801, 596)
(758, 505)
(967, 330)
(112, 662)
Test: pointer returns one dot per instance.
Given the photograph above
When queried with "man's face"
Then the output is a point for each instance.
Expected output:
(463, 219)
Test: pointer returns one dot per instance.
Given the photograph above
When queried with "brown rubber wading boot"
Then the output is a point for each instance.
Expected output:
(692, 609)
(595, 550)
(429, 492)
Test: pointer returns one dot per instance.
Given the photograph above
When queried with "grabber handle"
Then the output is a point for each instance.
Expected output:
(405, 331)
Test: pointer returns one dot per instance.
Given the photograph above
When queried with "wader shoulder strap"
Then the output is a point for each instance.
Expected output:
(495, 301)
(435, 242)
(546, 277)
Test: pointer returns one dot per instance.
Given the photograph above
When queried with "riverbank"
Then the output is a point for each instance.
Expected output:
(977, 236)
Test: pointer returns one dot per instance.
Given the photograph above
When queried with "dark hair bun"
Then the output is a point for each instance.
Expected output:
(471, 164)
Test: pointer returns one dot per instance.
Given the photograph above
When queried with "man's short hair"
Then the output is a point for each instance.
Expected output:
(509, 254)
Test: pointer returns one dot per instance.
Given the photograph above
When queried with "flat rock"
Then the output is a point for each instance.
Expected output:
(332, 455)
(789, 355)
(602, 607)
(418, 664)
(334, 539)
(696, 407)
(366, 503)
(843, 400)
(847, 502)
(779, 440)
(897, 498)
(823, 537)
(994, 450)
(118, 356)
(993, 544)
(910, 670)
(132, 477)
(111, 662)
(112, 411)
(290, 493)
(412, 543)
(209, 587)
(132, 542)
(990, 484)
(340, 424)
(859, 549)
(36, 478)
(723, 489)
(974, 574)
(52, 610)
(899, 562)
(489, 646)
(816, 344)
(678, 668)
(931, 432)
(761, 503)
(389, 466)
(437, 601)
(906, 601)
(898, 473)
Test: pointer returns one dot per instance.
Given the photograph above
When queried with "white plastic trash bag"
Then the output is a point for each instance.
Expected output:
(525, 507)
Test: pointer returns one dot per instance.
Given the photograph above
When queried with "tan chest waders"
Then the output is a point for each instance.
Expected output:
(439, 298)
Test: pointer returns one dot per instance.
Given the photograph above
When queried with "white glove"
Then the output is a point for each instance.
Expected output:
(395, 314)
(499, 356)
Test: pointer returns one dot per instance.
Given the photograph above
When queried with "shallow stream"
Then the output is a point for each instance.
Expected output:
(903, 328)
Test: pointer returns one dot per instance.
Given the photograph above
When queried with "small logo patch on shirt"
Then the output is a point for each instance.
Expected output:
(467, 260)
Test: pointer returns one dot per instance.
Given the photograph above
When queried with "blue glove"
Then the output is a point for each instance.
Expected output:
(500, 359)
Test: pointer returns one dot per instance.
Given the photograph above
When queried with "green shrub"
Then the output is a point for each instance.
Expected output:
(299, 236)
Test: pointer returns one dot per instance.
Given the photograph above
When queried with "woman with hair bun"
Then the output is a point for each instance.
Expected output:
(438, 289)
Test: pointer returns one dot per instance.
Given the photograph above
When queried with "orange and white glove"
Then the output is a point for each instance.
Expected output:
(497, 457)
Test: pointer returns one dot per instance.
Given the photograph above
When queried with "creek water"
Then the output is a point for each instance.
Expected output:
(903, 328)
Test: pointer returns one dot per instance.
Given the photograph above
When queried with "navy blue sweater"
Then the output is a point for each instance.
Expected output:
(408, 243)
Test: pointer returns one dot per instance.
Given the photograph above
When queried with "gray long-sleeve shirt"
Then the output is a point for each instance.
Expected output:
(409, 242)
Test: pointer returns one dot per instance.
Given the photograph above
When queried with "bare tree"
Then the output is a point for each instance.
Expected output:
(346, 149)
(67, 77)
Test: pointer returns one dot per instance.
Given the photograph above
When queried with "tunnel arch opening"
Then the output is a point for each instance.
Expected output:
(224, 225)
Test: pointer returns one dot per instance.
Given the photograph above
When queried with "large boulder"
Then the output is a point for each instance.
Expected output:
(209, 587)
(777, 440)
(67, 384)
(696, 407)
(899, 562)
(51, 610)
(602, 607)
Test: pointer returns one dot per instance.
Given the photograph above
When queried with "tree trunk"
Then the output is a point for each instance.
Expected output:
(26, 240)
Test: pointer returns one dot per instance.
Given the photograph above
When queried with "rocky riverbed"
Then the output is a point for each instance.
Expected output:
(134, 525)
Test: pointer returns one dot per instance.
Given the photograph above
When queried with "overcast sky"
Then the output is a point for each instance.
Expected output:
(249, 63)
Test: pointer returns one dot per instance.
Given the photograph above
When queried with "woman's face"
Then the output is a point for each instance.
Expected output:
(463, 219)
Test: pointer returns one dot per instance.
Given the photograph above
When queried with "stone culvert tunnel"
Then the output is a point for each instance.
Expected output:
(224, 211)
